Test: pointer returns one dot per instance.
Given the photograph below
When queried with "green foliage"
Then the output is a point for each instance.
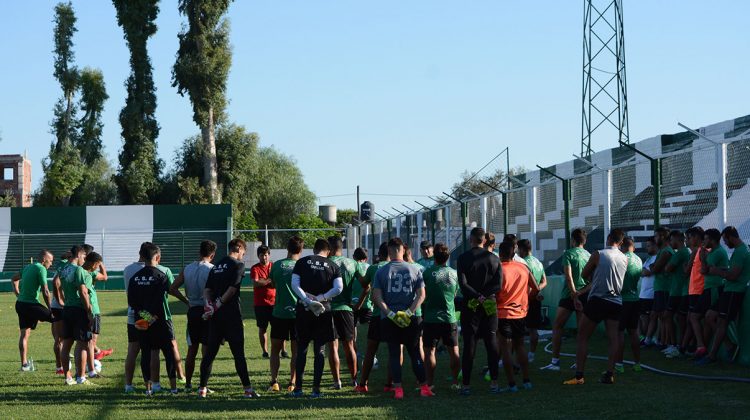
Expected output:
(93, 96)
(97, 187)
(478, 183)
(65, 72)
(204, 58)
(345, 217)
(307, 221)
(7, 199)
(140, 169)
(264, 186)
(63, 172)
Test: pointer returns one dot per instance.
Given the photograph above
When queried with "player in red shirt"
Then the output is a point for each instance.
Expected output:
(263, 295)
(512, 307)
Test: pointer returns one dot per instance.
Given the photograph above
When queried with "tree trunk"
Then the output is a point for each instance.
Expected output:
(210, 167)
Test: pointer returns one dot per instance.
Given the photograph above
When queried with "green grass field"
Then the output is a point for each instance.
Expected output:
(41, 394)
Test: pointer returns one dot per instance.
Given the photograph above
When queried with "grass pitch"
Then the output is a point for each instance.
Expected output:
(41, 394)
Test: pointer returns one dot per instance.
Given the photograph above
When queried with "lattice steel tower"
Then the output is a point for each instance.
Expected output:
(605, 94)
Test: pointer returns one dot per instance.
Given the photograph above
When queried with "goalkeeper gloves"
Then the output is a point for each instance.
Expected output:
(316, 307)
(473, 304)
(404, 318)
(489, 307)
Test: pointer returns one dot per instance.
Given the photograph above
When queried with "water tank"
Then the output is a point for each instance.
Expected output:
(367, 211)
(328, 213)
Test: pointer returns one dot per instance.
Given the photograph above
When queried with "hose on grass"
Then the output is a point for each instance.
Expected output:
(661, 371)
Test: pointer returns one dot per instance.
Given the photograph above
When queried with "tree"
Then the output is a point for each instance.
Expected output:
(321, 229)
(201, 71)
(478, 184)
(264, 186)
(62, 167)
(93, 96)
(7, 199)
(140, 168)
(345, 217)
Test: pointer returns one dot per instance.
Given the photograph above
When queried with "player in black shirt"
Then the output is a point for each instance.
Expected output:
(147, 290)
(315, 280)
(479, 276)
(222, 295)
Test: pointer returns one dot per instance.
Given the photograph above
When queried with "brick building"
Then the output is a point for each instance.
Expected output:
(16, 178)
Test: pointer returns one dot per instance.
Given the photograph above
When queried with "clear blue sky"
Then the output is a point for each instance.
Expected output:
(396, 96)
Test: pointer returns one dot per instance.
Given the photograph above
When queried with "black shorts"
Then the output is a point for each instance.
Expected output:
(314, 328)
(158, 335)
(169, 329)
(674, 304)
(96, 327)
(362, 316)
(133, 336)
(511, 328)
(661, 299)
(730, 304)
(699, 304)
(76, 324)
(373, 330)
(646, 305)
(630, 315)
(598, 309)
(283, 329)
(57, 314)
(568, 304)
(478, 324)
(29, 314)
(263, 315)
(228, 327)
(197, 327)
(534, 315)
(408, 336)
(434, 332)
(343, 321)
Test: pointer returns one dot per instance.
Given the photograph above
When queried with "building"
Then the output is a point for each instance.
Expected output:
(16, 178)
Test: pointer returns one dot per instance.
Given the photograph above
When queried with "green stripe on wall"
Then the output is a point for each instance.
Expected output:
(192, 217)
(48, 219)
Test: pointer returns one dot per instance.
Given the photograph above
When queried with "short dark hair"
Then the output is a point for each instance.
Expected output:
(489, 238)
(321, 245)
(677, 234)
(616, 236)
(662, 232)
(695, 231)
(335, 243)
(383, 251)
(425, 245)
(236, 244)
(149, 251)
(730, 232)
(295, 244)
(407, 252)
(510, 237)
(395, 243)
(441, 253)
(359, 254)
(477, 234)
(43, 253)
(506, 250)
(579, 236)
(75, 250)
(628, 242)
(263, 250)
(713, 234)
(207, 248)
(93, 258)
(524, 244)
(651, 239)
(87, 248)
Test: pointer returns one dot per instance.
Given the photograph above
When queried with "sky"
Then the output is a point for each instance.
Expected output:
(398, 97)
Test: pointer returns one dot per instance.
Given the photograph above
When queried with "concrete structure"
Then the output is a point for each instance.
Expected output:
(16, 178)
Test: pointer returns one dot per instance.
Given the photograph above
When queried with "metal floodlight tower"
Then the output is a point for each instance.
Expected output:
(605, 94)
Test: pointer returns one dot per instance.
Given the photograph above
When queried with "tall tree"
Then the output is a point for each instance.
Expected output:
(62, 167)
(93, 96)
(140, 168)
(65, 72)
(201, 71)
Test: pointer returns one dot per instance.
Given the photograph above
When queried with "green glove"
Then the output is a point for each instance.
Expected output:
(396, 318)
(473, 304)
(404, 319)
(490, 307)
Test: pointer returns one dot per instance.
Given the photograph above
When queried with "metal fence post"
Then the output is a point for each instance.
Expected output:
(656, 183)
(447, 221)
(505, 212)
(483, 212)
(464, 207)
(607, 222)
(533, 217)
(722, 184)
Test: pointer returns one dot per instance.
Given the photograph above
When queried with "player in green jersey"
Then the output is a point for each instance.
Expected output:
(361, 304)
(534, 316)
(715, 257)
(28, 285)
(662, 284)
(736, 277)
(427, 251)
(678, 304)
(440, 321)
(284, 315)
(93, 266)
(343, 316)
(78, 316)
(573, 261)
(630, 307)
